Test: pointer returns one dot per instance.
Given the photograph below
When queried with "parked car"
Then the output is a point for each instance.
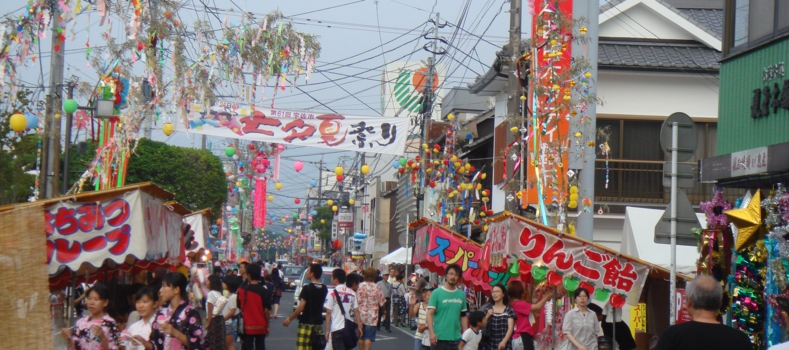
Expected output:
(292, 275)
(303, 281)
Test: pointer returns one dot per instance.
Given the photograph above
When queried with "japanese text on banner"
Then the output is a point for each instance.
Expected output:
(352, 133)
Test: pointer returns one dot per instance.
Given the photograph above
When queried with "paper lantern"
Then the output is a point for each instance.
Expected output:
(338, 171)
(323, 221)
(329, 202)
(340, 178)
(336, 244)
(334, 208)
(70, 106)
(297, 201)
(18, 122)
(313, 183)
(403, 161)
(168, 129)
(230, 151)
(351, 201)
(298, 166)
(365, 169)
(278, 186)
(395, 164)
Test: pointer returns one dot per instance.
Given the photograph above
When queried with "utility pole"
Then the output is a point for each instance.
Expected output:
(589, 9)
(514, 84)
(50, 167)
(427, 108)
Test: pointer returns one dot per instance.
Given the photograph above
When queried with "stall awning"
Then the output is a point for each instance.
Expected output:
(638, 241)
(399, 256)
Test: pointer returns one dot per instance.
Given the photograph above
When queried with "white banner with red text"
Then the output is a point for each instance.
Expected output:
(335, 131)
(133, 223)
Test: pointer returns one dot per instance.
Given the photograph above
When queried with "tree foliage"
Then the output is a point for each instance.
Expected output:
(324, 229)
(17, 152)
(195, 176)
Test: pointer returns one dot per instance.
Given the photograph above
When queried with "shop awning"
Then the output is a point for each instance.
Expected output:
(399, 256)
(638, 241)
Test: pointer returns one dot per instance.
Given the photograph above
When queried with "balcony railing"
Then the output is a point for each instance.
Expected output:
(641, 181)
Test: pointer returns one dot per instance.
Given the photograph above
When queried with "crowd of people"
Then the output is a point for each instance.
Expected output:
(236, 308)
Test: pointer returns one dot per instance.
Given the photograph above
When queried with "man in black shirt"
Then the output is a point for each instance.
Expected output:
(704, 331)
(623, 336)
(310, 308)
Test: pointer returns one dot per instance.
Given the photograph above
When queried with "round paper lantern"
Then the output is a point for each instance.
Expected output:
(297, 201)
(309, 218)
(351, 201)
(295, 215)
(334, 208)
(278, 186)
(18, 122)
(298, 166)
(323, 221)
(329, 202)
(70, 106)
(313, 183)
(403, 161)
(32, 121)
(395, 164)
(340, 178)
(168, 129)
(230, 151)
(365, 169)
(313, 213)
(336, 244)
(338, 171)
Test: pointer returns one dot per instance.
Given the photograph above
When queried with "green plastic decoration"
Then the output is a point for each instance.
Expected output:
(571, 283)
(230, 151)
(602, 294)
(513, 270)
(539, 273)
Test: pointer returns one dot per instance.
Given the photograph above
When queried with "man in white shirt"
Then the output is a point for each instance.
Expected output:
(336, 316)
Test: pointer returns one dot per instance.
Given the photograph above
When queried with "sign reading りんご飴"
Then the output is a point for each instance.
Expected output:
(547, 255)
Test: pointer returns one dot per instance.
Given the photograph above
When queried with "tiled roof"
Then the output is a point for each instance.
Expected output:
(712, 19)
(657, 55)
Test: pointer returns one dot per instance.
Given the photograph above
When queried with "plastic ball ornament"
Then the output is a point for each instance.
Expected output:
(168, 129)
(351, 201)
(365, 169)
(334, 208)
(70, 106)
(18, 122)
(230, 151)
(338, 171)
(278, 186)
(329, 202)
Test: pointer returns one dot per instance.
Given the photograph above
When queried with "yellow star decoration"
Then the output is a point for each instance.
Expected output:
(748, 220)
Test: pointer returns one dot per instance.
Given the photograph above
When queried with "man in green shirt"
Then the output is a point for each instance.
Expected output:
(446, 312)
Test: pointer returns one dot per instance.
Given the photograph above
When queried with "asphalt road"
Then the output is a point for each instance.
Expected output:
(281, 337)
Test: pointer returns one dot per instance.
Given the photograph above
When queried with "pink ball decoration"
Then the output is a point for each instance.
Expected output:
(298, 165)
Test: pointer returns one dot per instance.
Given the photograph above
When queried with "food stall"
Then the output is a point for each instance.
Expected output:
(104, 235)
(517, 248)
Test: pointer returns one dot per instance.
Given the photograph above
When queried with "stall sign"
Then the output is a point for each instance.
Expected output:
(301, 128)
(611, 277)
(638, 319)
(437, 248)
(80, 232)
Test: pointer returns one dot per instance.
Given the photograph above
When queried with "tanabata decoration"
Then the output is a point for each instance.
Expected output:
(748, 305)
(747, 220)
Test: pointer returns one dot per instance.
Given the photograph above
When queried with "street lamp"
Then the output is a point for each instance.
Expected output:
(105, 109)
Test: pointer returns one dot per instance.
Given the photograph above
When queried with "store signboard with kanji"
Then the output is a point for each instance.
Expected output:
(300, 128)
(609, 276)
(345, 220)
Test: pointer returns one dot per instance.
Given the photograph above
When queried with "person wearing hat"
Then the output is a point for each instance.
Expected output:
(385, 314)
(419, 310)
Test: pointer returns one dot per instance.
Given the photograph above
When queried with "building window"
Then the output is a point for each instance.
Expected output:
(750, 23)
(741, 22)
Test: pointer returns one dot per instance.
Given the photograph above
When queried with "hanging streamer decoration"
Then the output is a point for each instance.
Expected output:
(748, 306)
(260, 202)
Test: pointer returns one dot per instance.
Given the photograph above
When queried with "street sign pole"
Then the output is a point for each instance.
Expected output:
(673, 290)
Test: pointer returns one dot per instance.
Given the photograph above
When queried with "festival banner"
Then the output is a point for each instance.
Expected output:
(571, 262)
(335, 131)
(133, 223)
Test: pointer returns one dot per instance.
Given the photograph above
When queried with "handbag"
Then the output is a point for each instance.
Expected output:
(318, 338)
(349, 336)
(219, 305)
